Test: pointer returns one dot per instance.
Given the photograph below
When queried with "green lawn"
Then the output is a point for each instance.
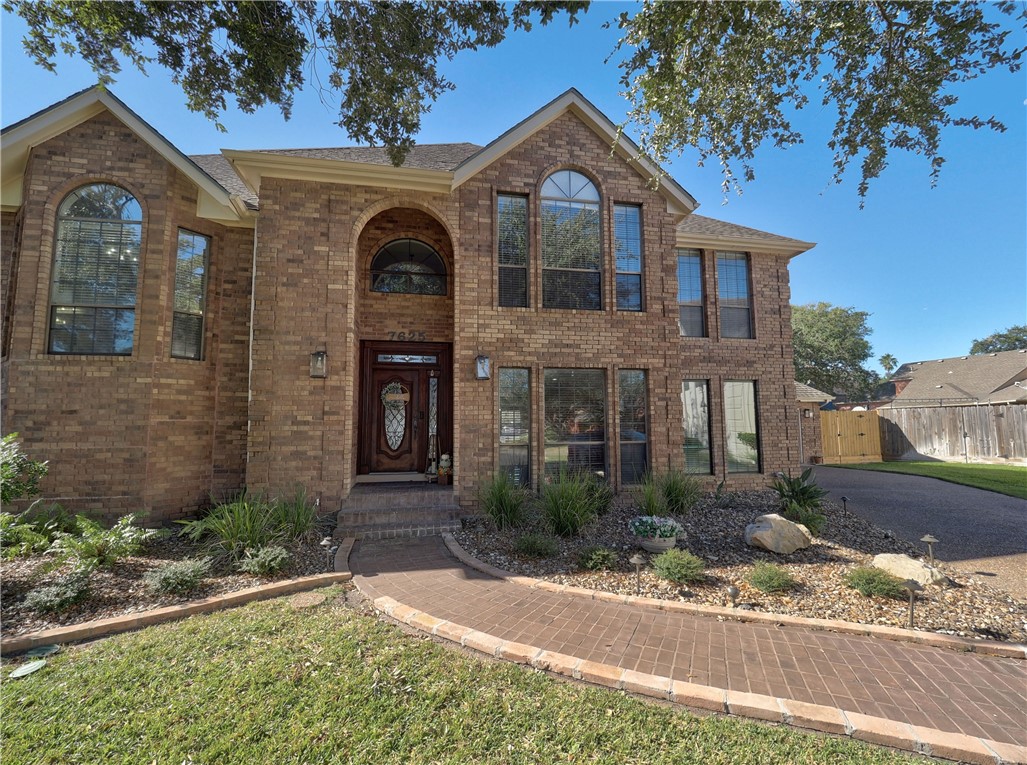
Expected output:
(1005, 479)
(268, 683)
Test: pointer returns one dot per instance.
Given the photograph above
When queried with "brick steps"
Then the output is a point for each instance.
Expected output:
(389, 511)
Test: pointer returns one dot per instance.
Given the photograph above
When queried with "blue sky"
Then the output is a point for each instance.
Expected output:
(936, 268)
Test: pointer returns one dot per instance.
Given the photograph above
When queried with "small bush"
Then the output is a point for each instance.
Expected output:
(802, 491)
(19, 475)
(246, 523)
(601, 495)
(597, 558)
(650, 497)
(95, 545)
(809, 517)
(503, 501)
(295, 517)
(178, 578)
(872, 582)
(65, 592)
(766, 577)
(568, 504)
(33, 531)
(679, 566)
(680, 491)
(264, 560)
(536, 546)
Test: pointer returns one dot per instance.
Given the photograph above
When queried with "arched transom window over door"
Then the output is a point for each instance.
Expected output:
(408, 266)
(571, 246)
(95, 271)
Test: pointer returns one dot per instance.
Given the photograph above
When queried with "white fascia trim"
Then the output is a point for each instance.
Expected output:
(773, 246)
(253, 166)
(678, 200)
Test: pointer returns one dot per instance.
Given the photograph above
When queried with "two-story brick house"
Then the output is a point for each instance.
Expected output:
(177, 327)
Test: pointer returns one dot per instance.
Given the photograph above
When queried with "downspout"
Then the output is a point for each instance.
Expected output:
(802, 451)
(249, 351)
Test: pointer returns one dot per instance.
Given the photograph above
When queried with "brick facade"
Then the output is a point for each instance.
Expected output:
(148, 431)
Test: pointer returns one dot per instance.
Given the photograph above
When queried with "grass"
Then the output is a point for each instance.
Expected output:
(269, 683)
(1004, 479)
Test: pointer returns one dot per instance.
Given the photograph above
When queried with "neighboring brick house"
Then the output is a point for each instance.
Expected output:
(176, 328)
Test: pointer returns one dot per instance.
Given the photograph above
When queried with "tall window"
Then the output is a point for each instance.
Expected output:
(575, 426)
(627, 243)
(95, 271)
(695, 402)
(513, 251)
(407, 266)
(190, 295)
(733, 291)
(515, 424)
(741, 429)
(691, 313)
(571, 251)
(634, 435)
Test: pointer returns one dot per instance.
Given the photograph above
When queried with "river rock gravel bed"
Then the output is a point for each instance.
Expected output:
(969, 608)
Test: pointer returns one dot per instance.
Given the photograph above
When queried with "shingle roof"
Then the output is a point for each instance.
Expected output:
(807, 393)
(986, 378)
(700, 225)
(426, 156)
(220, 169)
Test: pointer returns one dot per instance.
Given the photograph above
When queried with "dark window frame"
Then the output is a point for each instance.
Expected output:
(644, 422)
(732, 302)
(512, 430)
(700, 304)
(441, 273)
(638, 275)
(184, 316)
(585, 434)
(755, 445)
(507, 268)
(686, 434)
(552, 276)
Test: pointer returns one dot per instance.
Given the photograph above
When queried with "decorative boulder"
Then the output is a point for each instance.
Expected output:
(905, 567)
(777, 534)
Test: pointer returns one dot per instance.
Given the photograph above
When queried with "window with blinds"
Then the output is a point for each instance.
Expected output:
(634, 434)
(571, 249)
(627, 243)
(95, 272)
(741, 427)
(691, 312)
(734, 296)
(515, 424)
(512, 215)
(191, 266)
(695, 404)
(575, 421)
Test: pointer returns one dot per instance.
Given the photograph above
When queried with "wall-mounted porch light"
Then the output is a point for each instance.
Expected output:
(483, 368)
(319, 364)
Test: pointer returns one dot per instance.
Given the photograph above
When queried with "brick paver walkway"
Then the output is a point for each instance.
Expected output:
(979, 696)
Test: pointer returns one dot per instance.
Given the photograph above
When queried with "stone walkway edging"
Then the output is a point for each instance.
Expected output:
(127, 622)
(875, 730)
(951, 642)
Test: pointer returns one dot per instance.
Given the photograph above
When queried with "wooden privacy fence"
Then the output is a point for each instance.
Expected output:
(850, 437)
(995, 432)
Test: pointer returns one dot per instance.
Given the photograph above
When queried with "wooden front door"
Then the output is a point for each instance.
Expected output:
(405, 416)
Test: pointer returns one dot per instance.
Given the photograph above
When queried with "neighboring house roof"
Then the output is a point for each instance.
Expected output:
(699, 230)
(808, 394)
(214, 201)
(989, 378)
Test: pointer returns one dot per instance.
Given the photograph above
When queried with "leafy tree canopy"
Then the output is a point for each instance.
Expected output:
(1012, 339)
(830, 348)
(724, 77)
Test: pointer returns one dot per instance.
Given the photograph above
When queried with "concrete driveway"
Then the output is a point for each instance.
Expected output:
(981, 533)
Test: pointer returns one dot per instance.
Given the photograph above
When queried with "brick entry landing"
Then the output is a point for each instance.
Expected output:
(391, 510)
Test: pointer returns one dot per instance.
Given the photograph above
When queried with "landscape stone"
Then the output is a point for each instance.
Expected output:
(776, 534)
(905, 567)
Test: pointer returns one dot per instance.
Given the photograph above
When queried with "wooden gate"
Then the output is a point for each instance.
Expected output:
(850, 437)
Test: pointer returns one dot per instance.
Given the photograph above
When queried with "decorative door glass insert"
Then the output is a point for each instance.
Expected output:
(394, 399)
(398, 358)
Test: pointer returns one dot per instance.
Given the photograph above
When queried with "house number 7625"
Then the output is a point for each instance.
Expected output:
(412, 336)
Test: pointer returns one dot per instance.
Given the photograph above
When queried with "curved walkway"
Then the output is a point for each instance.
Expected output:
(933, 700)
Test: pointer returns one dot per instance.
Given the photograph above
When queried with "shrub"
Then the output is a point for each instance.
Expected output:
(536, 546)
(809, 517)
(34, 530)
(248, 522)
(66, 591)
(655, 526)
(600, 494)
(568, 503)
(802, 491)
(264, 560)
(95, 545)
(650, 498)
(597, 558)
(871, 582)
(680, 491)
(723, 498)
(503, 501)
(178, 578)
(295, 517)
(766, 577)
(19, 475)
(679, 566)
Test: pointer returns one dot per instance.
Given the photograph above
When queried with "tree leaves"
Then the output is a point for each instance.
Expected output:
(1012, 339)
(830, 348)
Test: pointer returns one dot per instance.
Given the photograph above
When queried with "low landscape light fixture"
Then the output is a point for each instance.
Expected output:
(330, 551)
(913, 587)
(845, 502)
(931, 542)
(732, 594)
(637, 560)
(483, 368)
(319, 364)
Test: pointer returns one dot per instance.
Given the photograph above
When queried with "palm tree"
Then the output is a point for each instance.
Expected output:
(888, 363)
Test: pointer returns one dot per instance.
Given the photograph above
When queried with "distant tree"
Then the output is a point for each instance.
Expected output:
(888, 363)
(831, 347)
(1013, 339)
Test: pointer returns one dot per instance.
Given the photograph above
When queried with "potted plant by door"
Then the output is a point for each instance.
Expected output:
(445, 469)
(654, 533)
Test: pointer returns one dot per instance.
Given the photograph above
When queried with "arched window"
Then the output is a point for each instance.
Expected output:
(571, 247)
(95, 271)
(407, 266)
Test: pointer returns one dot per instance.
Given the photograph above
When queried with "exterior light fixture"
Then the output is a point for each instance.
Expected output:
(931, 542)
(845, 503)
(319, 364)
(732, 594)
(330, 551)
(913, 587)
(637, 560)
(483, 368)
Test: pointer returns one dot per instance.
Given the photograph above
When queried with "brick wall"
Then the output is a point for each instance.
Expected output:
(811, 433)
